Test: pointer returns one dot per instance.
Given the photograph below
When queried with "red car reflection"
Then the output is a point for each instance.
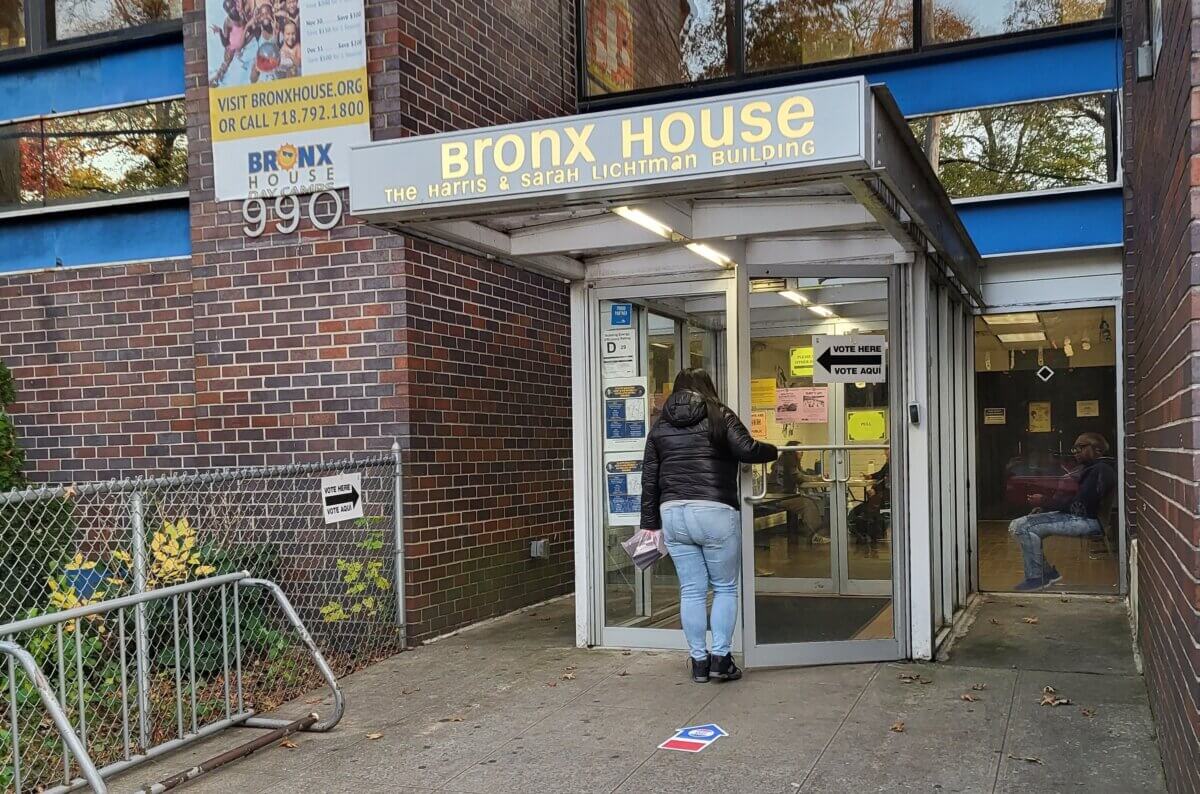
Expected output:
(1044, 473)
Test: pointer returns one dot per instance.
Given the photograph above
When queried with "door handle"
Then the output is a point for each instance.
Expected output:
(756, 497)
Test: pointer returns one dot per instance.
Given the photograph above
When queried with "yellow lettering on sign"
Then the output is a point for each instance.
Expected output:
(517, 143)
(579, 143)
(481, 146)
(752, 116)
(689, 132)
(706, 133)
(796, 108)
(454, 160)
(546, 136)
(628, 137)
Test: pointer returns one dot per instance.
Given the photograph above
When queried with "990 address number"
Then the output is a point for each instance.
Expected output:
(289, 211)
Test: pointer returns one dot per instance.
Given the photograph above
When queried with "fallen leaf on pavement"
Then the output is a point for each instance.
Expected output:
(568, 676)
(410, 691)
(623, 673)
(1031, 621)
(312, 701)
(1020, 606)
(1029, 758)
(288, 743)
(1089, 713)
(374, 735)
(914, 678)
(979, 687)
(967, 696)
(1065, 600)
(627, 653)
(455, 718)
(897, 727)
(1051, 698)
(994, 622)
(552, 683)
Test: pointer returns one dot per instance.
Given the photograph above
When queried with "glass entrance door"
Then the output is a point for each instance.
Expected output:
(819, 567)
(642, 337)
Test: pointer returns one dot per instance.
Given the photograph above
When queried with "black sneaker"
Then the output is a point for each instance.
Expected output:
(724, 669)
(700, 670)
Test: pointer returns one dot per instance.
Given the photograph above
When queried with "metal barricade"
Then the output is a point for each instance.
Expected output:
(154, 609)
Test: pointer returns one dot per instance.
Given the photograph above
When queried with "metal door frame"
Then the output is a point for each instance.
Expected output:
(722, 285)
(843, 651)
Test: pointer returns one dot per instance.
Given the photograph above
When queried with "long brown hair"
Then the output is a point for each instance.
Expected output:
(698, 381)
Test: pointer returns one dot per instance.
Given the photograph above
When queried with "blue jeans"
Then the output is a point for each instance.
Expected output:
(705, 542)
(1029, 531)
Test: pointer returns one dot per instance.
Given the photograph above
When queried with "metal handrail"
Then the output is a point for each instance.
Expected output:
(76, 745)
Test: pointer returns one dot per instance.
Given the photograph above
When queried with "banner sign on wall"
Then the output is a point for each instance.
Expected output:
(287, 94)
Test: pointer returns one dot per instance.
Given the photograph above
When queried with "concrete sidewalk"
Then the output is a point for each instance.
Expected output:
(512, 706)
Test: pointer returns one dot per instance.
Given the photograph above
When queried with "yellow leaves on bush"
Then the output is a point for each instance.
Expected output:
(64, 597)
(174, 556)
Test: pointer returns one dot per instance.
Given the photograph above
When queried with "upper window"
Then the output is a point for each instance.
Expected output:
(645, 44)
(12, 25)
(956, 20)
(634, 44)
(1060, 143)
(128, 151)
(76, 18)
(783, 33)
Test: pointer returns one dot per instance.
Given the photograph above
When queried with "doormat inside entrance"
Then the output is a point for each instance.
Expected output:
(788, 618)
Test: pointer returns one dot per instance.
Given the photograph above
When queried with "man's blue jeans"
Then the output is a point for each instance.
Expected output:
(1029, 531)
(705, 542)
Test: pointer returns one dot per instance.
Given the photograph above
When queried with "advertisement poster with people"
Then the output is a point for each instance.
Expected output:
(287, 94)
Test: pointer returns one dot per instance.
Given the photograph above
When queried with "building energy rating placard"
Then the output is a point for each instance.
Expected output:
(849, 359)
(693, 739)
(287, 94)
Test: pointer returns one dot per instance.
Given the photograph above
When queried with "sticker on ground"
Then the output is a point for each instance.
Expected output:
(693, 739)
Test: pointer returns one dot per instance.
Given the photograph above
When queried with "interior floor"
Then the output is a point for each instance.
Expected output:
(1086, 565)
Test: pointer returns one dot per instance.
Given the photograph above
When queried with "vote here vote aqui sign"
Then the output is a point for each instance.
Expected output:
(849, 359)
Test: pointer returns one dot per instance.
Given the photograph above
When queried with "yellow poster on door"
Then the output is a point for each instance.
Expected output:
(866, 425)
(1039, 417)
(762, 393)
(802, 362)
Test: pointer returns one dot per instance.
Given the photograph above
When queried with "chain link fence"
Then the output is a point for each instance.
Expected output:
(133, 679)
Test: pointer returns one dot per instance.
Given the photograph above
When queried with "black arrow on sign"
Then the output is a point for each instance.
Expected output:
(829, 361)
(343, 498)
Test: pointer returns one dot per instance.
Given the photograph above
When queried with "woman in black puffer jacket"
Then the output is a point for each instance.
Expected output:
(690, 492)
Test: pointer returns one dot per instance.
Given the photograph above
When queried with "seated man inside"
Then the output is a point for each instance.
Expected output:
(1070, 512)
(868, 520)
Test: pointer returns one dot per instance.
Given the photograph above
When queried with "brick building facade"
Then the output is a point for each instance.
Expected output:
(289, 348)
(1162, 172)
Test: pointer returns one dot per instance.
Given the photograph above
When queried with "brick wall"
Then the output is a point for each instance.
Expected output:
(102, 359)
(1162, 161)
(320, 343)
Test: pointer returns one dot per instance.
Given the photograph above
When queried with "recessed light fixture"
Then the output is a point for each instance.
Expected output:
(1029, 336)
(823, 311)
(647, 222)
(710, 253)
(1024, 318)
(793, 296)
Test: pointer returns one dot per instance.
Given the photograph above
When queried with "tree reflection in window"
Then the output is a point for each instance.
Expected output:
(635, 44)
(1019, 148)
(127, 151)
(957, 20)
(75, 18)
(12, 24)
(782, 33)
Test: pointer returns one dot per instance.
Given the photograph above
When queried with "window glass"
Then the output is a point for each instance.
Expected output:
(956, 20)
(75, 18)
(1019, 148)
(782, 33)
(12, 24)
(635, 44)
(85, 157)
(1047, 411)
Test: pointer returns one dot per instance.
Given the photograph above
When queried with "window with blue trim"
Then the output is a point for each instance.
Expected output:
(1032, 146)
(12, 25)
(132, 151)
(632, 45)
(31, 27)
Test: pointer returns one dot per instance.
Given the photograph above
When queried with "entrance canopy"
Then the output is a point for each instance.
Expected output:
(816, 173)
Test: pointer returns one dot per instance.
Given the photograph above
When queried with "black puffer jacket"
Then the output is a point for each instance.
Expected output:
(682, 462)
